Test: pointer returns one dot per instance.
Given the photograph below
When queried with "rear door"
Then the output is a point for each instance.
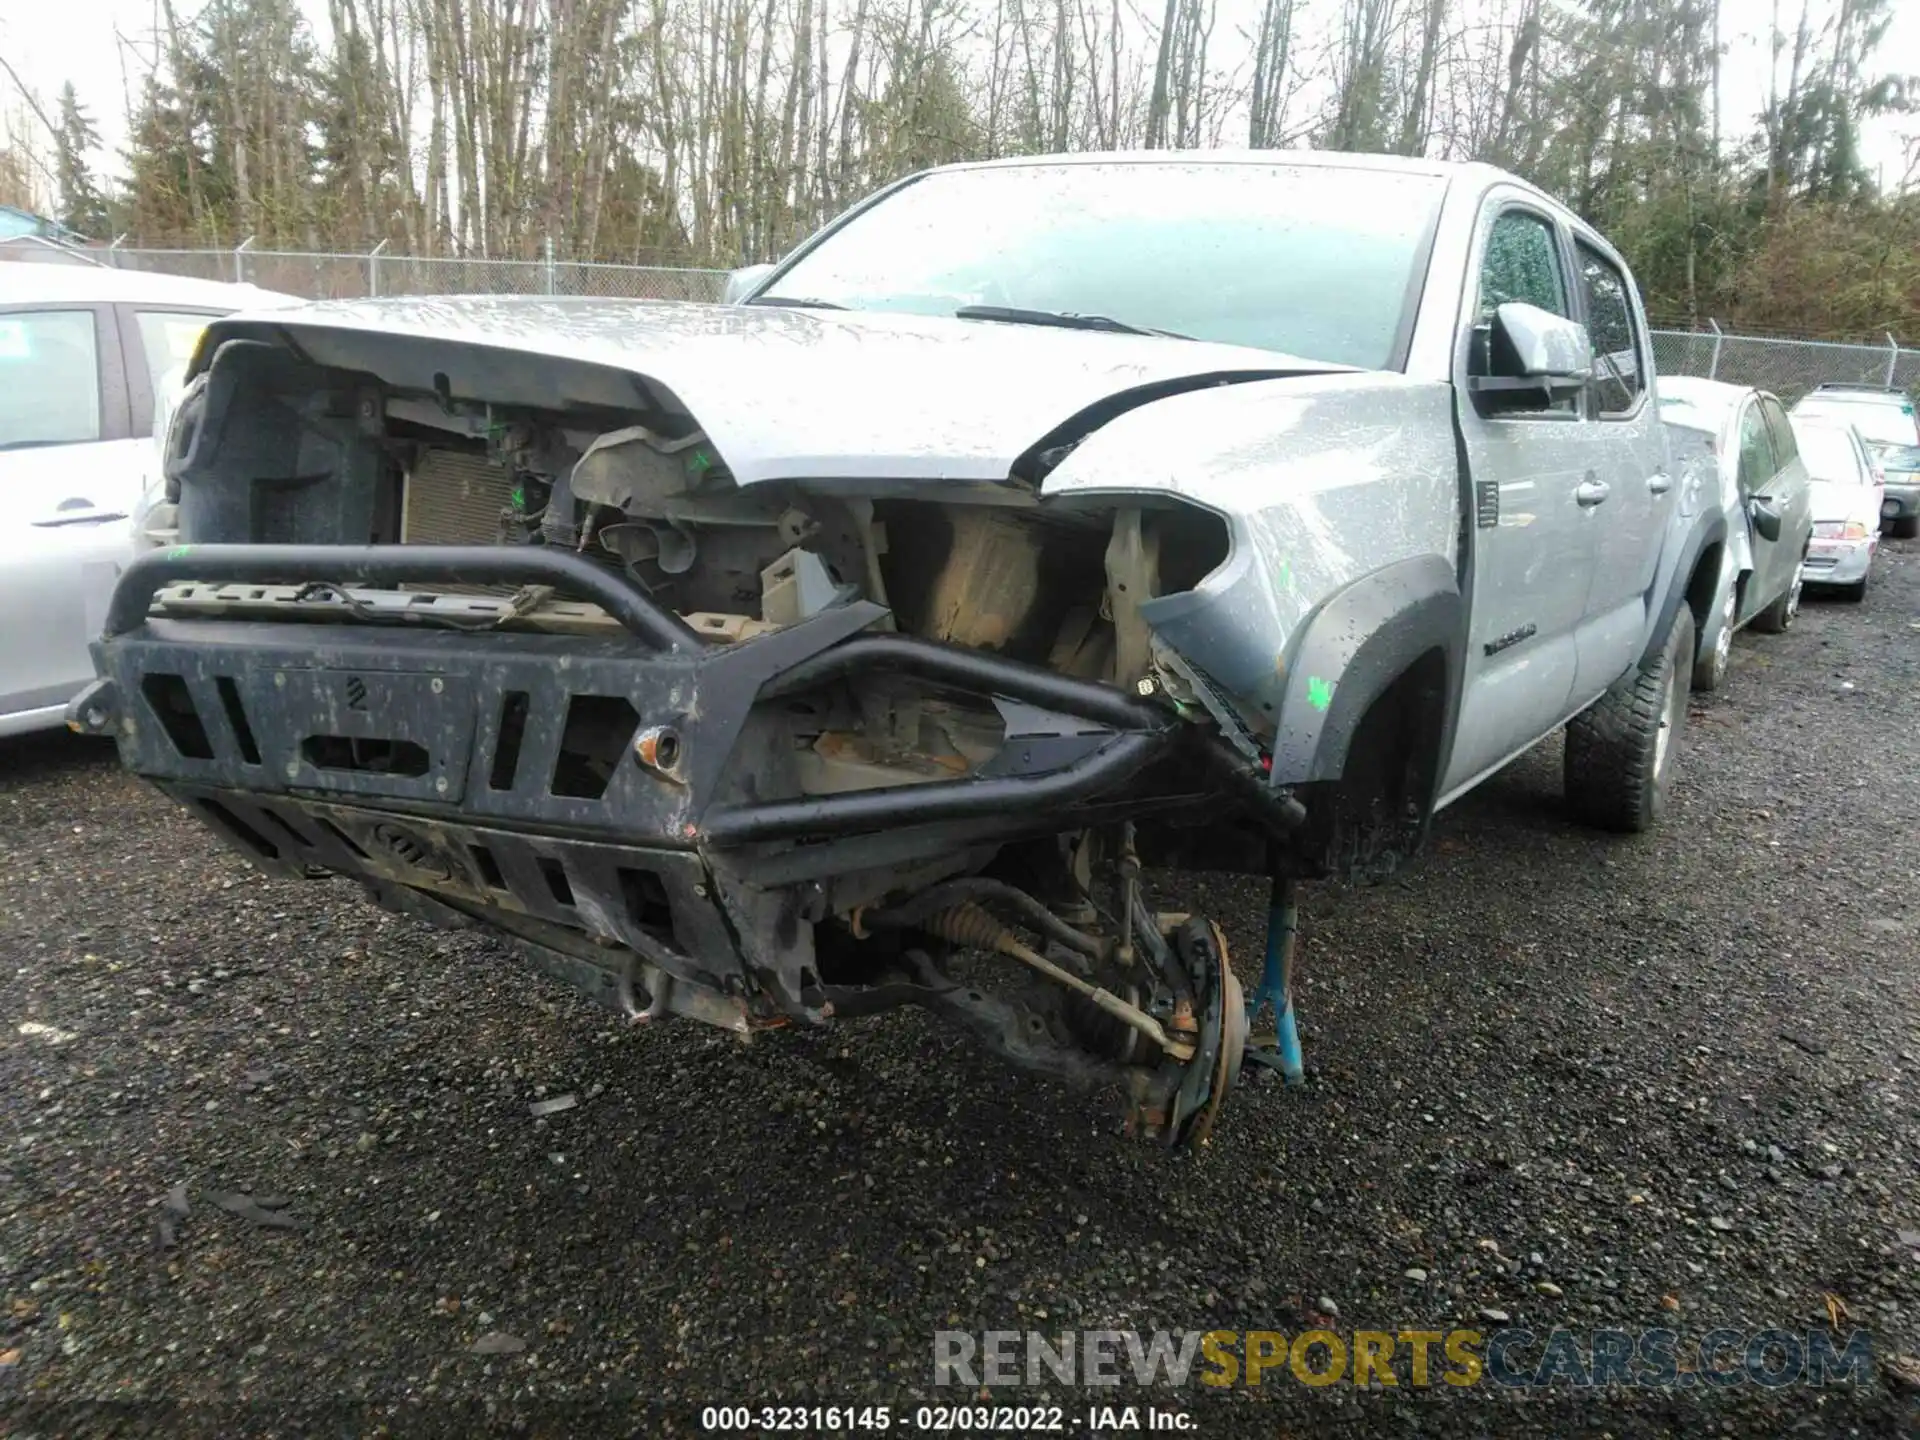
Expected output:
(1534, 538)
(69, 467)
(1631, 460)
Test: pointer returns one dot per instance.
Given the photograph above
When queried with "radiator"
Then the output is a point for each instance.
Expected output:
(454, 499)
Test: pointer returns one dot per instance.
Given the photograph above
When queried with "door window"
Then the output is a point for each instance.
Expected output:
(1757, 464)
(1618, 380)
(168, 338)
(1522, 263)
(49, 378)
(1786, 449)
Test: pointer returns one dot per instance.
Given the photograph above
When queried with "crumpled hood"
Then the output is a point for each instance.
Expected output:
(784, 393)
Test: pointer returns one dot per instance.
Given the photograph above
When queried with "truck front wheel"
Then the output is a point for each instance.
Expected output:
(1620, 749)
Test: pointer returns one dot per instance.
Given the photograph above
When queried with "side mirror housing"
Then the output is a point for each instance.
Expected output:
(1766, 518)
(1532, 358)
(742, 283)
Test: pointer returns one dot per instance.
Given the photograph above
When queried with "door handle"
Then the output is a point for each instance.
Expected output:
(1591, 492)
(1659, 482)
(88, 516)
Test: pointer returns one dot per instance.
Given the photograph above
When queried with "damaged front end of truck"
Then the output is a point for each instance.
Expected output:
(521, 639)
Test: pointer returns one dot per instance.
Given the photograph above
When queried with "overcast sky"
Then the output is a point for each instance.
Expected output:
(52, 41)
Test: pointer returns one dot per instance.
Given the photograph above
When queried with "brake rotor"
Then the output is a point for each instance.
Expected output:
(1226, 1064)
(1222, 1046)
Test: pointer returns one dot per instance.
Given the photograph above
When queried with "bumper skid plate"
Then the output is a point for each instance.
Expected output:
(443, 768)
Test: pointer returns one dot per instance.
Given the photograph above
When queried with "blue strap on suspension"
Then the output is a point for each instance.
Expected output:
(1276, 988)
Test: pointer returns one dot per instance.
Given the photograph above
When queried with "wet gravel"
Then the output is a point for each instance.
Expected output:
(267, 1161)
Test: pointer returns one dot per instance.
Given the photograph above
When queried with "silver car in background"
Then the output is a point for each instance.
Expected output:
(84, 355)
(1887, 421)
(1736, 442)
(1848, 493)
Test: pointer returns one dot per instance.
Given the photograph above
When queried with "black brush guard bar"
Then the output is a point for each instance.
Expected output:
(941, 800)
(1145, 731)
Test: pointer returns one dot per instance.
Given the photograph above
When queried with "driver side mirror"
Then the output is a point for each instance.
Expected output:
(1766, 518)
(742, 283)
(1531, 359)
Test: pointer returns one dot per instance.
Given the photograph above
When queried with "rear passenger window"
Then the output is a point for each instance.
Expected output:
(1756, 452)
(1617, 378)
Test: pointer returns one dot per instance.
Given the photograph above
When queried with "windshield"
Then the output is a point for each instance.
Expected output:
(1829, 453)
(1312, 261)
(1881, 422)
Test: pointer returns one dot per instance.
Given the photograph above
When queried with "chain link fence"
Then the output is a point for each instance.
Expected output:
(316, 275)
(1787, 367)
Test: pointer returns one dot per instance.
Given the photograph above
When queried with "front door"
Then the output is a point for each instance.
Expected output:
(1757, 467)
(1535, 533)
(1790, 492)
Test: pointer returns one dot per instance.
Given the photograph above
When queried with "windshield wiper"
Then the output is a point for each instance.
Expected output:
(1062, 319)
(796, 302)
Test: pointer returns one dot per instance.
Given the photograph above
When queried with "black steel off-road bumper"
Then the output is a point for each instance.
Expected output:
(680, 854)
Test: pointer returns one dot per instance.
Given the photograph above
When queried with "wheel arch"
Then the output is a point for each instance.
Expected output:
(1703, 588)
(1709, 531)
(1394, 636)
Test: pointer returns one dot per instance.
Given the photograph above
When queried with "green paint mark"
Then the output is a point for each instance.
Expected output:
(1319, 692)
(699, 462)
(1285, 576)
(179, 552)
(519, 498)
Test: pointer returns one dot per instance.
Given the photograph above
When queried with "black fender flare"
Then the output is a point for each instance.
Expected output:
(1709, 529)
(1359, 641)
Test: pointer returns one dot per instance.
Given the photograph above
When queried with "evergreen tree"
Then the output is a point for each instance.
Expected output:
(82, 207)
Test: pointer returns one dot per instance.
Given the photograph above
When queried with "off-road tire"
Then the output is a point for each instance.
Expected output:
(1905, 528)
(1778, 617)
(1617, 767)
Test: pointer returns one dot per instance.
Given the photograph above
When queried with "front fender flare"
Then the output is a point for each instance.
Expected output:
(1356, 643)
(1710, 528)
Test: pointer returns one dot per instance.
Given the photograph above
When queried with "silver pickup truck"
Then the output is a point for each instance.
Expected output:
(855, 644)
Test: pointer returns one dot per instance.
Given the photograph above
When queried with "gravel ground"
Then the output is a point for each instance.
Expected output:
(1585, 1082)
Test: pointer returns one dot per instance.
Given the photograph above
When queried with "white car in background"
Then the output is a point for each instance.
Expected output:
(1889, 423)
(84, 350)
(1736, 444)
(1849, 490)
